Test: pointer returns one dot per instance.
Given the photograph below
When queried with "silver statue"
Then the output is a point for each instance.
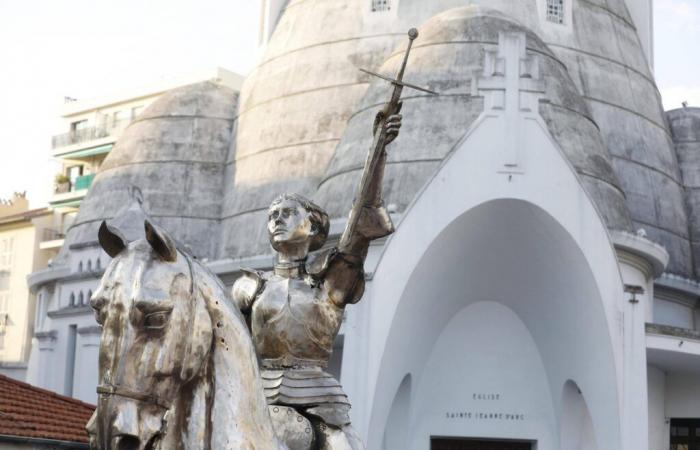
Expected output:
(295, 311)
(177, 368)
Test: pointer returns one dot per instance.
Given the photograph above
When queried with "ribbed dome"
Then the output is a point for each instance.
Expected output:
(295, 103)
(685, 129)
(175, 154)
(294, 106)
(446, 57)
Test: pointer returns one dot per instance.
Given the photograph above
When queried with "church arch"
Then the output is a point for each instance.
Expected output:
(576, 425)
(475, 234)
(395, 435)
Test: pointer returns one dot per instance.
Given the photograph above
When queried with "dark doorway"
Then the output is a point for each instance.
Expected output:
(475, 444)
(685, 434)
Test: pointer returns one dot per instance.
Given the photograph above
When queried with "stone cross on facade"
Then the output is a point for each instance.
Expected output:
(511, 86)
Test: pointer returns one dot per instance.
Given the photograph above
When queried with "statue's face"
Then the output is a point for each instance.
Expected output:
(288, 224)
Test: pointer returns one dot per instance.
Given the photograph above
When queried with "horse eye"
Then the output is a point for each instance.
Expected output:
(156, 320)
(99, 315)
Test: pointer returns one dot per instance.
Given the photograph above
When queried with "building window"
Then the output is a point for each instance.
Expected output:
(555, 11)
(4, 280)
(81, 299)
(89, 296)
(98, 264)
(381, 5)
(117, 117)
(80, 266)
(79, 125)
(6, 252)
(89, 265)
(71, 300)
(135, 111)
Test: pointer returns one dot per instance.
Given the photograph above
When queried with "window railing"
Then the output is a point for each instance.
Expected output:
(83, 182)
(88, 134)
(51, 235)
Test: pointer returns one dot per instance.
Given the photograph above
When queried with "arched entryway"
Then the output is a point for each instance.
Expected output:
(490, 265)
(499, 313)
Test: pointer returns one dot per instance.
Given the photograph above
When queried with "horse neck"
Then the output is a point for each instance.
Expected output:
(239, 415)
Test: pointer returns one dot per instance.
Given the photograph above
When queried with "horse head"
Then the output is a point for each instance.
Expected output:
(173, 349)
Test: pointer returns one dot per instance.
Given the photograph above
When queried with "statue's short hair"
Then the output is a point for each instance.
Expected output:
(317, 215)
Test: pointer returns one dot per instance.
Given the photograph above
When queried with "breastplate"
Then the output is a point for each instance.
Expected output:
(294, 323)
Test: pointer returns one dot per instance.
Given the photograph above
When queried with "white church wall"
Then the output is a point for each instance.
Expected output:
(548, 229)
(658, 423)
(682, 395)
(576, 430)
(484, 378)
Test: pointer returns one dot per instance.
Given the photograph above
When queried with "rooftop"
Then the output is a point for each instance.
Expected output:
(32, 413)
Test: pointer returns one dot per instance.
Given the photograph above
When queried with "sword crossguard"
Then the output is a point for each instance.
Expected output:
(398, 81)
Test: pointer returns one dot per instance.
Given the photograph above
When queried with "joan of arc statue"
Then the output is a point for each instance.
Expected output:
(295, 311)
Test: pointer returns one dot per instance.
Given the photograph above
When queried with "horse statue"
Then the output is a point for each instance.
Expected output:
(177, 367)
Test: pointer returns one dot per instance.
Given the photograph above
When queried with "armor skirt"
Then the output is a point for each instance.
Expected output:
(309, 390)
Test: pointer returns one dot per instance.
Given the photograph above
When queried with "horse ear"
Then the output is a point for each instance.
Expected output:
(161, 242)
(111, 240)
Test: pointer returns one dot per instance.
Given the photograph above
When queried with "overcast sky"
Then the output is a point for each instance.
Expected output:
(86, 48)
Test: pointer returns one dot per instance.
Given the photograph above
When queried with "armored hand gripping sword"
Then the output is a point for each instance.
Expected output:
(393, 106)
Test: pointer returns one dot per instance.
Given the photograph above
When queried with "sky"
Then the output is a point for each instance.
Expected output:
(88, 48)
(51, 49)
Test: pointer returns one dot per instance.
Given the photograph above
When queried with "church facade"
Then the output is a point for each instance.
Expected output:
(540, 290)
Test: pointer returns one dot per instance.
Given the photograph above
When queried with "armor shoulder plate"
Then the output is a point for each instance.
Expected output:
(317, 265)
(246, 289)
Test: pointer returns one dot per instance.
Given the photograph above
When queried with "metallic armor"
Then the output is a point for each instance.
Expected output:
(177, 366)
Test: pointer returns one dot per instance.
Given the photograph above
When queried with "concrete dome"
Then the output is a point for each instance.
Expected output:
(447, 56)
(601, 50)
(295, 103)
(685, 129)
(175, 154)
(294, 106)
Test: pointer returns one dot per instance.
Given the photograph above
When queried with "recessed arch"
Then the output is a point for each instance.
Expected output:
(576, 426)
(476, 234)
(395, 435)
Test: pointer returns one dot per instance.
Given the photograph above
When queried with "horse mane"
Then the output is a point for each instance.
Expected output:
(238, 415)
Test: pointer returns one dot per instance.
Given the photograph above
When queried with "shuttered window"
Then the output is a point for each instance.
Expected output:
(381, 5)
(555, 11)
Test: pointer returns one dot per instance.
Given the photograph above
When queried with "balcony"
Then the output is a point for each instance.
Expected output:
(72, 194)
(673, 349)
(91, 137)
(51, 239)
(83, 182)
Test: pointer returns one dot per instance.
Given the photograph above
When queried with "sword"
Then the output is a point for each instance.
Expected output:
(379, 143)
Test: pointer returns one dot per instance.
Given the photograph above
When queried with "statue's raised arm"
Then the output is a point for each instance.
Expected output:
(295, 310)
(368, 218)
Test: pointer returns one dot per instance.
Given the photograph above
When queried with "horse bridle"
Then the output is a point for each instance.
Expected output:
(121, 391)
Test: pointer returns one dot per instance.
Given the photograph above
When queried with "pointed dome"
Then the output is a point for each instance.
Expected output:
(175, 154)
(685, 129)
(447, 56)
(295, 104)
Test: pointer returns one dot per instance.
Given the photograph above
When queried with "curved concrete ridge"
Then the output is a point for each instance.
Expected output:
(685, 129)
(433, 126)
(175, 154)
